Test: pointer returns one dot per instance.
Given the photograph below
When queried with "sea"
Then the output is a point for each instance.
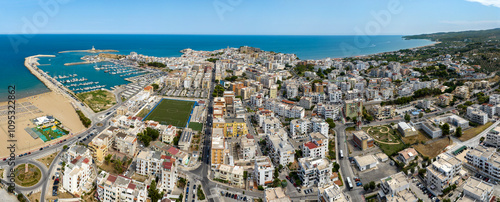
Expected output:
(14, 48)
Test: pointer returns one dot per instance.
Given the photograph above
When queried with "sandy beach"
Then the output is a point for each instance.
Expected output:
(50, 103)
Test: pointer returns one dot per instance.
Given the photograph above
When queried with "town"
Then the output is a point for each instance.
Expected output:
(244, 124)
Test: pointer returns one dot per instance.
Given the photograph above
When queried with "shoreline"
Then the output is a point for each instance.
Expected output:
(97, 51)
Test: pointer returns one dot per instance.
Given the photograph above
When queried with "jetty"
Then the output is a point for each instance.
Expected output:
(93, 50)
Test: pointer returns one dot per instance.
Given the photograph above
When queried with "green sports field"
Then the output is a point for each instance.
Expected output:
(172, 112)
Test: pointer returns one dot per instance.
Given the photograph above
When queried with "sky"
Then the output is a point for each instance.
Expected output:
(247, 17)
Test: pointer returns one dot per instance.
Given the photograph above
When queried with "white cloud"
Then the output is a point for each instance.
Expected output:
(495, 3)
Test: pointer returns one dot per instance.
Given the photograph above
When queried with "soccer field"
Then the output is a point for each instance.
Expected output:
(172, 112)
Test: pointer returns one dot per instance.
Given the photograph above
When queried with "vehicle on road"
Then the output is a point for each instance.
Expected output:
(341, 154)
(349, 183)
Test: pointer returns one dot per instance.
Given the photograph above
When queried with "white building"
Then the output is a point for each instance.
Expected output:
(119, 188)
(276, 195)
(331, 193)
(248, 147)
(79, 174)
(478, 190)
(476, 115)
(485, 159)
(271, 123)
(263, 170)
(441, 172)
(315, 171)
(393, 184)
(232, 174)
(281, 151)
(493, 137)
(365, 162)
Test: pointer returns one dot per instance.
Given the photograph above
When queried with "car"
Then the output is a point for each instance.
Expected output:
(244, 198)
(232, 196)
(29, 152)
(58, 169)
(53, 177)
(227, 194)
(4, 159)
(451, 194)
(41, 149)
(194, 187)
(235, 196)
(194, 195)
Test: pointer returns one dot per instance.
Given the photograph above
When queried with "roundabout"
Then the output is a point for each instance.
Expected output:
(27, 175)
(34, 184)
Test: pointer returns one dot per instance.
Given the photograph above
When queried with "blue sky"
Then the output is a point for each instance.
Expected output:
(248, 17)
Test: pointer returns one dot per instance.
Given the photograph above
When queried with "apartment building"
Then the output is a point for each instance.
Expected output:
(120, 188)
(493, 137)
(441, 172)
(149, 163)
(218, 148)
(125, 143)
(382, 112)
(232, 127)
(99, 146)
(263, 170)
(281, 151)
(462, 92)
(168, 177)
(315, 171)
(353, 108)
(331, 193)
(478, 190)
(316, 147)
(232, 174)
(475, 115)
(485, 159)
(79, 174)
(248, 147)
(391, 185)
(168, 134)
(271, 123)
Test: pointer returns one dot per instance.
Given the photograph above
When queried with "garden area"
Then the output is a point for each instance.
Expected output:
(29, 177)
(421, 137)
(386, 138)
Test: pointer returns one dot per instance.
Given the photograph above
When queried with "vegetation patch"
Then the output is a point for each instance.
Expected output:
(85, 121)
(98, 100)
(431, 150)
(27, 178)
(473, 131)
(196, 126)
(419, 138)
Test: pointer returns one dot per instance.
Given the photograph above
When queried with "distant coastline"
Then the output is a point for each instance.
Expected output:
(305, 47)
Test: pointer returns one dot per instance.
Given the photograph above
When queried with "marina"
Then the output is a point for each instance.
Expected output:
(89, 76)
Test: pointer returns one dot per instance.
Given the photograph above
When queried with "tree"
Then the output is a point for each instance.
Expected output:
(354, 119)
(330, 122)
(481, 139)
(336, 167)
(420, 115)
(108, 158)
(65, 147)
(458, 132)
(446, 129)
(366, 187)
(153, 193)
(155, 86)
(407, 117)
(372, 185)
(245, 175)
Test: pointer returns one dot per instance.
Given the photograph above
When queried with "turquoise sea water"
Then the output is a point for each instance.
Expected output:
(306, 47)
